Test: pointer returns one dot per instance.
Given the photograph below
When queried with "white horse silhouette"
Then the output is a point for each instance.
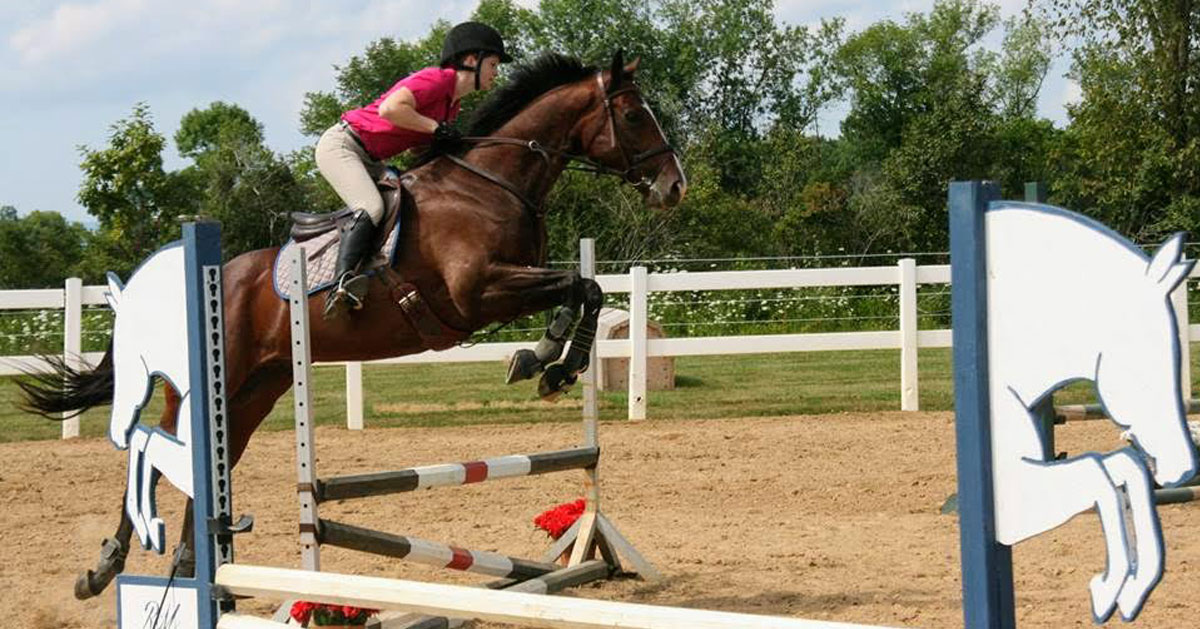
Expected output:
(1044, 264)
(150, 339)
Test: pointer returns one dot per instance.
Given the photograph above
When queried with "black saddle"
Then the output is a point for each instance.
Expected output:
(309, 225)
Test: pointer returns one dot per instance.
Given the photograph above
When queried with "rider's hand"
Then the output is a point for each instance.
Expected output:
(446, 137)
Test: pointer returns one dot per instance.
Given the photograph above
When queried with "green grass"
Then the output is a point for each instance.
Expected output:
(706, 387)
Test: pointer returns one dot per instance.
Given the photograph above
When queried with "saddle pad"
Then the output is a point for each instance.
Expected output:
(322, 261)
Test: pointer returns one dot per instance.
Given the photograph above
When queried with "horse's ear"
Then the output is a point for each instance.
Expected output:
(1164, 260)
(616, 72)
(632, 66)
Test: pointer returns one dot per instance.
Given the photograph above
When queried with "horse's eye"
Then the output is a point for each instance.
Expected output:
(635, 116)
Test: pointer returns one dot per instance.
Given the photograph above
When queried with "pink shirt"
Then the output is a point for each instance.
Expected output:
(433, 89)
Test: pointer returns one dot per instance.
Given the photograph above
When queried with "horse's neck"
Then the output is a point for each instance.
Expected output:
(551, 122)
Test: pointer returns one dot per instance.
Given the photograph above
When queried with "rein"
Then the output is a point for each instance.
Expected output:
(576, 162)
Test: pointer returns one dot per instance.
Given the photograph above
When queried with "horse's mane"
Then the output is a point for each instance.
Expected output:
(527, 81)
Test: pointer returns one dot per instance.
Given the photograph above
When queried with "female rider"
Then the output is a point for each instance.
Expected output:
(416, 111)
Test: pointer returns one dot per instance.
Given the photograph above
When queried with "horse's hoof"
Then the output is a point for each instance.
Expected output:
(556, 381)
(84, 588)
(112, 562)
(523, 366)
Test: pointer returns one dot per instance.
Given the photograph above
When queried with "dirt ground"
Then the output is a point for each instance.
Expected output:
(825, 517)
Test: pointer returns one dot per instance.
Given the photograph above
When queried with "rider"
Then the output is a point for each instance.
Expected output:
(416, 111)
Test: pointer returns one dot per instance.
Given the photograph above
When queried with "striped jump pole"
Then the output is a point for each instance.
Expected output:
(448, 474)
(430, 553)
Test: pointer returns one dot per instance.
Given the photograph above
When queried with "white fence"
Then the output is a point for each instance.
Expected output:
(638, 283)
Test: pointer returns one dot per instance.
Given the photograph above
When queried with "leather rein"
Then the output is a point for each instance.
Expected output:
(577, 162)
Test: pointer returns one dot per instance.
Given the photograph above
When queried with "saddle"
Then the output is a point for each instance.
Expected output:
(309, 225)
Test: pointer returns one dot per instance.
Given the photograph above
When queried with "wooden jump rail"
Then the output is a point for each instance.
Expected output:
(512, 466)
(514, 607)
(592, 535)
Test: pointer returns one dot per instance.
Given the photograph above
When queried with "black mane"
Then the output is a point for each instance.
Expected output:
(527, 81)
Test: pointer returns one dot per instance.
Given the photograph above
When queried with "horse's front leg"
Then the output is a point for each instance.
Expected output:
(559, 377)
(527, 363)
(513, 290)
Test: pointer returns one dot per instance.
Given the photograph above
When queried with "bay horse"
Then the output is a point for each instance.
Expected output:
(472, 243)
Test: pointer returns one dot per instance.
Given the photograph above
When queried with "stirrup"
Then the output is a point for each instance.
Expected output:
(347, 295)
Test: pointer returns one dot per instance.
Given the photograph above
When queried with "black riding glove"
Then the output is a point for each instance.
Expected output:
(446, 137)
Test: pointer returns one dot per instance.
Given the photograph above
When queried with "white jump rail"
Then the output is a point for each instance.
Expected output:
(524, 609)
(906, 274)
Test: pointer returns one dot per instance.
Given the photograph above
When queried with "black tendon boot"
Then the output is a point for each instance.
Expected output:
(351, 287)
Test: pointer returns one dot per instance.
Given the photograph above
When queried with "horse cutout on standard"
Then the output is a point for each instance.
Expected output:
(1010, 262)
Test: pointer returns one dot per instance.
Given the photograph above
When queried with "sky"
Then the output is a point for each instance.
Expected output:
(69, 70)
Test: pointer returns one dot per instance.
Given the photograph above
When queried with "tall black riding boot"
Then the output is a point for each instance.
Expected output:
(353, 247)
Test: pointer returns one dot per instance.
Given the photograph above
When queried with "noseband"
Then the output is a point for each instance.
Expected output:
(575, 161)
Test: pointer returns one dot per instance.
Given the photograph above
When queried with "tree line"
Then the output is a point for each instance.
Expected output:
(741, 97)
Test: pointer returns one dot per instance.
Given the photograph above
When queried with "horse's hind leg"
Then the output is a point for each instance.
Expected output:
(113, 551)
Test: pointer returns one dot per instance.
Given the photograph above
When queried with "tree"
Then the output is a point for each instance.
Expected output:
(243, 184)
(1129, 156)
(127, 190)
(39, 250)
(929, 105)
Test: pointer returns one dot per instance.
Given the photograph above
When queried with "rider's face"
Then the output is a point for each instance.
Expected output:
(491, 66)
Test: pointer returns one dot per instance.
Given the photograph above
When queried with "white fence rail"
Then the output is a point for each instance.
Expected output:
(638, 283)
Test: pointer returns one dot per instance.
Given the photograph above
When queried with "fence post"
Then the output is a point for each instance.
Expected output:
(1179, 299)
(354, 396)
(72, 341)
(909, 387)
(591, 408)
(638, 297)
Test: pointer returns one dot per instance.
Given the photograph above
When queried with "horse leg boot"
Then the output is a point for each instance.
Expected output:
(353, 247)
(113, 551)
(526, 364)
(560, 376)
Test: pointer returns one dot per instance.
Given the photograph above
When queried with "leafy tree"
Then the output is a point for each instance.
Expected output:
(243, 184)
(1129, 154)
(39, 250)
(929, 105)
(126, 188)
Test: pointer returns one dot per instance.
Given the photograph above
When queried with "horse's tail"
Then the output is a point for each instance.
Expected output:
(66, 389)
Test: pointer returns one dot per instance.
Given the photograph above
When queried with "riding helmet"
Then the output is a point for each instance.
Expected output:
(470, 37)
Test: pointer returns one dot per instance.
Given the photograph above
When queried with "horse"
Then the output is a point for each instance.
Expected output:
(472, 244)
(1127, 346)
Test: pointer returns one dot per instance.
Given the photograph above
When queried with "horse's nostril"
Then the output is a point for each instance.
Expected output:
(678, 190)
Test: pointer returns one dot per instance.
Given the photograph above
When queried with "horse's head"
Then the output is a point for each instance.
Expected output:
(1137, 376)
(627, 138)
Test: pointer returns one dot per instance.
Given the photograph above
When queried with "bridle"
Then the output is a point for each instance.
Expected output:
(575, 161)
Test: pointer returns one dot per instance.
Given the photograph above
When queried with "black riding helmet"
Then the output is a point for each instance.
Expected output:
(472, 37)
